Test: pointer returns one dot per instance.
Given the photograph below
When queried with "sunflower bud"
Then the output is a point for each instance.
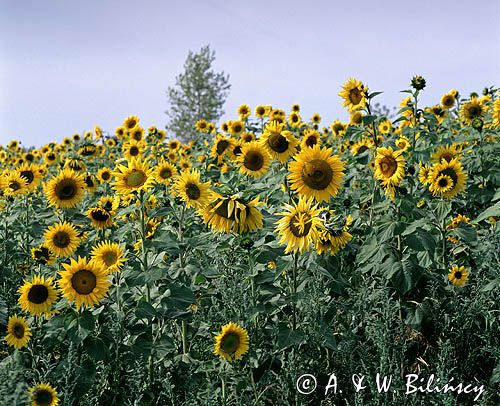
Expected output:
(418, 82)
(477, 124)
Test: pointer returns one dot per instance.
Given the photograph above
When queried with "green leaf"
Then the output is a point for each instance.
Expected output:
(493, 211)
(145, 310)
(289, 338)
(96, 348)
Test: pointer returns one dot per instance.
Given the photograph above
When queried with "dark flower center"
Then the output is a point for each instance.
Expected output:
(84, 282)
(38, 294)
(253, 161)
(278, 143)
(18, 330)
(193, 191)
(230, 343)
(61, 239)
(66, 189)
(317, 174)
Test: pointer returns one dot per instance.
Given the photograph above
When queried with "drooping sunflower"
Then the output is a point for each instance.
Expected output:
(90, 183)
(84, 282)
(100, 218)
(447, 179)
(299, 225)
(254, 159)
(316, 173)
(135, 177)
(62, 239)
(109, 255)
(227, 214)
(164, 172)
(13, 184)
(42, 394)
(190, 189)
(332, 241)
(472, 109)
(279, 143)
(458, 275)
(232, 342)
(37, 295)
(354, 94)
(18, 332)
(43, 255)
(389, 169)
(65, 190)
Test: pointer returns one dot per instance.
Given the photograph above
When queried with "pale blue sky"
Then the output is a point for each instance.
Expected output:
(67, 66)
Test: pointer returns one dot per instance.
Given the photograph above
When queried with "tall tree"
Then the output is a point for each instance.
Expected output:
(199, 92)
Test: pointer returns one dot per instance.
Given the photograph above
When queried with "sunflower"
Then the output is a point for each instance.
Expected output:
(191, 190)
(13, 184)
(244, 111)
(201, 126)
(389, 169)
(310, 139)
(37, 295)
(385, 127)
(109, 256)
(361, 146)
(402, 143)
(446, 152)
(299, 225)
(76, 164)
(131, 122)
(332, 241)
(356, 118)
(456, 221)
(458, 275)
(261, 111)
(109, 203)
(135, 177)
(65, 190)
(280, 143)
(233, 213)
(221, 146)
(423, 174)
(43, 255)
(50, 158)
(30, 172)
(164, 172)
(100, 218)
(90, 182)
(104, 175)
(247, 137)
(110, 142)
(277, 115)
(174, 144)
(254, 159)
(316, 173)
(338, 128)
(62, 239)
(120, 132)
(471, 110)
(496, 113)
(184, 164)
(83, 282)
(18, 332)
(136, 134)
(42, 394)
(133, 149)
(447, 179)
(232, 342)
(448, 100)
(316, 118)
(354, 94)
(294, 119)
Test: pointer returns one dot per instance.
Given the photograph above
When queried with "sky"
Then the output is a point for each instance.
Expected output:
(68, 66)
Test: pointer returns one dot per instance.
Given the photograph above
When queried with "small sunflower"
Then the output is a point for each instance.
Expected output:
(133, 149)
(109, 256)
(191, 190)
(18, 332)
(338, 128)
(131, 122)
(299, 225)
(402, 143)
(83, 282)
(316, 173)
(220, 147)
(389, 169)
(164, 172)
(254, 159)
(65, 190)
(458, 275)
(13, 184)
(361, 146)
(446, 152)
(174, 144)
(104, 175)
(447, 179)
(280, 143)
(294, 119)
(232, 342)
(30, 172)
(471, 110)
(37, 295)
(109, 203)
(201, 126)
(42, 394)
(244, 111)
(354, 94)
(448, 100)
(261, 111)
(62, 239)
(385, 127)
(356, 118)
(100, 218)
(310, 139)
(135, 177)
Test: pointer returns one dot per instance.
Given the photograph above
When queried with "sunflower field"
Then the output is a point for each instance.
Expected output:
(137, 269)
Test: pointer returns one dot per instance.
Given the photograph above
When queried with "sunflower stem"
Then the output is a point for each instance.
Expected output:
(294, 290)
